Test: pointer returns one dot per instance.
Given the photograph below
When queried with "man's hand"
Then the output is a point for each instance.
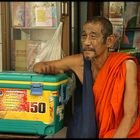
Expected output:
(46, 68)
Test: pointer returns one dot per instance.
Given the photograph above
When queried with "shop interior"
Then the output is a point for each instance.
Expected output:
(37, 31)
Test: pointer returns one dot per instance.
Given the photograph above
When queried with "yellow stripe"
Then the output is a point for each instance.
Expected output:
(27, 83)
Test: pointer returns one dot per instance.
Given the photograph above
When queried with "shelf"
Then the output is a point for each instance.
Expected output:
(132, 29)
(32, 28)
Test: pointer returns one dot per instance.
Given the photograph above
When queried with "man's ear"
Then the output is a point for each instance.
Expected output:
(110, 41)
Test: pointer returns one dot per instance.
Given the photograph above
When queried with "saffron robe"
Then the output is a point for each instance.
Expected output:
(108, 91)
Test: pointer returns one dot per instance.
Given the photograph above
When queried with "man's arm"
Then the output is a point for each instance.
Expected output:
(130, 101)
(59, 66)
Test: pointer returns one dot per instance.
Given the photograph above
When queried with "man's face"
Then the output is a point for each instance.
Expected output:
(92, 41)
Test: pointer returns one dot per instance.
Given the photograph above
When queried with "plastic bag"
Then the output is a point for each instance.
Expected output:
(51, 49)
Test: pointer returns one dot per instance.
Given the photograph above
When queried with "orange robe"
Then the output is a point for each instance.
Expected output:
(108, 91)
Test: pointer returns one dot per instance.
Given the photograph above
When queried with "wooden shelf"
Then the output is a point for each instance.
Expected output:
(34, 28)
(132, 29)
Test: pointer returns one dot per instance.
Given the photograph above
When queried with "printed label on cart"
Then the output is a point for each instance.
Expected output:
(20, 104)
(13, 100)
(16, 100)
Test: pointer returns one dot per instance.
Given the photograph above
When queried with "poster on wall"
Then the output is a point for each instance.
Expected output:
(42, 14)
(116, 10)
(18, 14)
(32, 14)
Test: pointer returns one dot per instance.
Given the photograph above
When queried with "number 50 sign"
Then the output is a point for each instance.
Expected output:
(36, 107)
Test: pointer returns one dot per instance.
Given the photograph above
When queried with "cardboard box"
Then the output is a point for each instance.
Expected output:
(20, 55)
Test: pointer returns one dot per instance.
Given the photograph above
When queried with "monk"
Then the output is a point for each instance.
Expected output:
(115, 75)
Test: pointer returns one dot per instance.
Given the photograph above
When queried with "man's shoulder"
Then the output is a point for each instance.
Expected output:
(130, 63)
